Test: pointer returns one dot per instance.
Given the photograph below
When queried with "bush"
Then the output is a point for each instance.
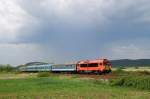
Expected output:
(6, 68)
(136, 67)
(140, 82)
(43, 74)
(144, 72)
(120, 69)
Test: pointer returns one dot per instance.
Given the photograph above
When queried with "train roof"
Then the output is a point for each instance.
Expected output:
(92, 61)
(35, 63)
(62, 64)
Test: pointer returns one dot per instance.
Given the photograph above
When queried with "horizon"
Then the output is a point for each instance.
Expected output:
(74, 61)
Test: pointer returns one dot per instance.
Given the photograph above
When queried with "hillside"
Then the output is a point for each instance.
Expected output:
(130, 62)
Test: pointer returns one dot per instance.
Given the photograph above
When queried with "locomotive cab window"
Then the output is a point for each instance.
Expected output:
(93, 65)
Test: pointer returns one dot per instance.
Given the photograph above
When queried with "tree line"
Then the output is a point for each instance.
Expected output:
(6, 68)
(130, 62)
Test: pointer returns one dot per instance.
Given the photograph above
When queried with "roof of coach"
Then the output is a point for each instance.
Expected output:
(62, 64)
(35, 63)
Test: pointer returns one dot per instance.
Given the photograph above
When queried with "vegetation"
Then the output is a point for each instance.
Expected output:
(136, 79)
(120, 84)
(139, 82)
(119, 70)
(63, 87)
(131, 63)
(43, 74)
(6, 68)
(144, 72)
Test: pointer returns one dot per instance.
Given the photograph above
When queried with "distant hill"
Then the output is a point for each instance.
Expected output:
(130, 63)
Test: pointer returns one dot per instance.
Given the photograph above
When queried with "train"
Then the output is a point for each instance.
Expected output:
(84, 66)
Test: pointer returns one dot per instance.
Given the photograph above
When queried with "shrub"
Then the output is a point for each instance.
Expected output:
(117, 82)
(144, 72)
(136, 67)
(120, 69)
(140, 82)
(43, 74)
(6, 68)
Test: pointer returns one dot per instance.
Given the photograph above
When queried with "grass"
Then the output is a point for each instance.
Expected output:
(141, 82)
(137, 79)
(135, 68)
(14, 75)
(43, 74)
(59, 87)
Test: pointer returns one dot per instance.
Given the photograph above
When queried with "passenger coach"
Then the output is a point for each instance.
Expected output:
(64, 68)
(34, 67)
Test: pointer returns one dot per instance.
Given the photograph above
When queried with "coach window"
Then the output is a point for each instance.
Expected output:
(93, 65)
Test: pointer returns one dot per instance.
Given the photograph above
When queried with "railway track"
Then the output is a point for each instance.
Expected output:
(92, 76)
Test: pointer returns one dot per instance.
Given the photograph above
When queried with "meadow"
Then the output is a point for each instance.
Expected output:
(73, 86)
(135, 68)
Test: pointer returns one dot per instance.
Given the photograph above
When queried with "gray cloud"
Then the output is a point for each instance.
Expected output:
(69, 30)
(80, 17)
(131, 49)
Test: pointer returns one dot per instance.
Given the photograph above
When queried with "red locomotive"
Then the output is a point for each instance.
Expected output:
(96, 66)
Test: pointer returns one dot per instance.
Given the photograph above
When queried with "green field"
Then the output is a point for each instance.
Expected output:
(56, 86)
(135, 68)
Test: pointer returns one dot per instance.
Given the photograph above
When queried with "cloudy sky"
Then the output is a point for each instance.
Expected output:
(68, 30)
